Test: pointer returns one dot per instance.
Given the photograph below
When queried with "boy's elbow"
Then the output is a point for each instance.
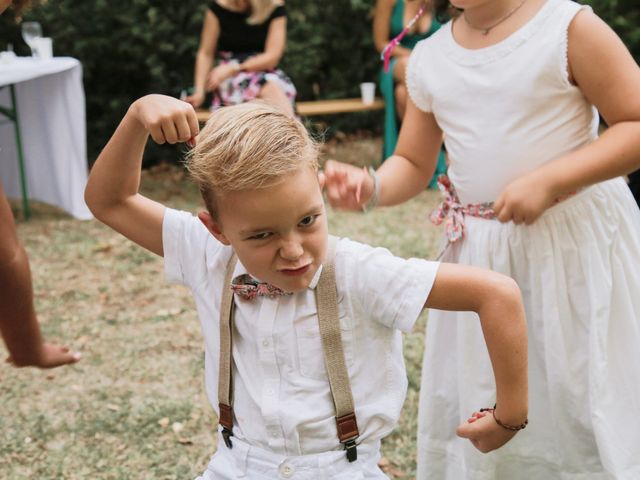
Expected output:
(90, 200)
(98, 208)
(503, 291)
(509, 289)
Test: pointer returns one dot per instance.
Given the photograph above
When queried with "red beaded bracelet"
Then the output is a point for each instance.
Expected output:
(513, 428)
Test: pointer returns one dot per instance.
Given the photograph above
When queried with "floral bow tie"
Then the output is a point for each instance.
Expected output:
(249, 288)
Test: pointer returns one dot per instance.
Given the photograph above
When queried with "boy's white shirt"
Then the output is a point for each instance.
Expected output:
(282, 401)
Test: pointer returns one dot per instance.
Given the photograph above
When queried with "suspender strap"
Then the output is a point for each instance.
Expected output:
(327, 304)
(225, 388)
(329, 321)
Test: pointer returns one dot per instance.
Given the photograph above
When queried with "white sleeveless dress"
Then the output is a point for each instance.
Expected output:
(506, 110)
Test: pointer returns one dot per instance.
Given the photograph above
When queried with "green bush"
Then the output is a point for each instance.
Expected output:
(150, 45)
(147, 46)
(624, 17)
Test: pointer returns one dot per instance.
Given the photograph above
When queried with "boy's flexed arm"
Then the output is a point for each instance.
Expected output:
(112, 189)
(497, 300)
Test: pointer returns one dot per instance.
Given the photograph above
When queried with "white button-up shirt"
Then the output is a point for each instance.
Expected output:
(282, 401)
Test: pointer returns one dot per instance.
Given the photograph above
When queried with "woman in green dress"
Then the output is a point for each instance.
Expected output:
(390, 18)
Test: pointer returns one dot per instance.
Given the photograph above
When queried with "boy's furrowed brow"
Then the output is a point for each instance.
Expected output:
(253, 231)
(314, 210)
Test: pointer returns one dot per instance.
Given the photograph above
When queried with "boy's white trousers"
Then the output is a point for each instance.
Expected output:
(251, 463)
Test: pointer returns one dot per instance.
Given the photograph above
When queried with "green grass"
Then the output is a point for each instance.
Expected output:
(134, 407)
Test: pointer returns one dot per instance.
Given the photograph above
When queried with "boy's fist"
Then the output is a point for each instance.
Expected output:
(167, 119)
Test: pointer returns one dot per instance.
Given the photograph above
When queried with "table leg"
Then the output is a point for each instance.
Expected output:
(26, 210)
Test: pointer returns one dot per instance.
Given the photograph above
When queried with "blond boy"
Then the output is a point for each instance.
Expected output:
(257, 171)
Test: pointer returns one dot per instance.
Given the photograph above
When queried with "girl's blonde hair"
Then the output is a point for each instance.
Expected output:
(261, 9)
(248, 146)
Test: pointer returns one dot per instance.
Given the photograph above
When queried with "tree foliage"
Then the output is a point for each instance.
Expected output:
(133, 47)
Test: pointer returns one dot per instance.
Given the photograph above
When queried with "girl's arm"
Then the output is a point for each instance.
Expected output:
(204, 57)
(497, 301)
(112, 188)
(382, 27)
(402, 176)
(273, 48)
(604, 70)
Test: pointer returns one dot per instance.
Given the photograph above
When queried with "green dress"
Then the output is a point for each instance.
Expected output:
(391, 124)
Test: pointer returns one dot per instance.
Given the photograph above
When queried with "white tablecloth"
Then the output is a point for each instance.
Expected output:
(51, 110)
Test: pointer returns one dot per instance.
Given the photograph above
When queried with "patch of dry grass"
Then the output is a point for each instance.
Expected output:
(134, 407)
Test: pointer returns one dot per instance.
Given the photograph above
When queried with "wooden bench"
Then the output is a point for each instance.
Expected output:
(321, 107)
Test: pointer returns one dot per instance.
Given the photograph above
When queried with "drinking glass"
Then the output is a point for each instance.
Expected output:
(31, 31)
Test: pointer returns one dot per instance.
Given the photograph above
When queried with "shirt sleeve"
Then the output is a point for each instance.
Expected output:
(415, 77)
(215, 8)
(279, 11)
(384, 288)
(188, 247)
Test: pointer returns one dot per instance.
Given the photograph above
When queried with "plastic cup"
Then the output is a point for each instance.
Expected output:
(44, 48)
(368, 92)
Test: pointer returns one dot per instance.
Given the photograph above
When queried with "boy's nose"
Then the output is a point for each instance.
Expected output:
(291, 249)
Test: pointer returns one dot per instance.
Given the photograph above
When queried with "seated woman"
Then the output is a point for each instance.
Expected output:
(390, 18)
(247, 38)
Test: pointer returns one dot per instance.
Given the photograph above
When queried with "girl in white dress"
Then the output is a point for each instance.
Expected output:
(515, 86)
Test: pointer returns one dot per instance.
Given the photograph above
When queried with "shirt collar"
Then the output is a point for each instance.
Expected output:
(240, 270)
(316, 278)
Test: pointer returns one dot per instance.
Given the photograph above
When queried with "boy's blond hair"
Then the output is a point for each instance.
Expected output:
(246, 147)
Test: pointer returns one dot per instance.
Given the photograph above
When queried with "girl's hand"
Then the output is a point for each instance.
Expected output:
(483, 432)
(348, 187)
(167, 119)
(220, 74)
(50, 356)
(524, 200)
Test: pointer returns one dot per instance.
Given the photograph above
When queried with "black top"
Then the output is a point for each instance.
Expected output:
(236, 35)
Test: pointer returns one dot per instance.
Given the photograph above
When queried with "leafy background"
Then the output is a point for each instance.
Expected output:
(130, 48)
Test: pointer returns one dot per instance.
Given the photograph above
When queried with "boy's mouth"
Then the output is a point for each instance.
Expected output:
(296, 271)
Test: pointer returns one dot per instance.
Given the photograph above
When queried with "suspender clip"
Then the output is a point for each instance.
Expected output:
(348, 433)
(226, 435)
(352, 452)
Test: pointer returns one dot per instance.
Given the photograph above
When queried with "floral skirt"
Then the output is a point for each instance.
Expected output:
(246, 86)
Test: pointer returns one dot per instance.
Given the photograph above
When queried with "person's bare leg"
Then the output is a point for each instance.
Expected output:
(272, 94)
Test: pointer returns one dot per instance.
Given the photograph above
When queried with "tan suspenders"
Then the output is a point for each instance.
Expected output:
(329, 320)
(225, 382)
(327, 304)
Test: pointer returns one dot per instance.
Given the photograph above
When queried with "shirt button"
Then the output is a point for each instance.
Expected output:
(286, 470)
(265, 343)
(269, 391)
